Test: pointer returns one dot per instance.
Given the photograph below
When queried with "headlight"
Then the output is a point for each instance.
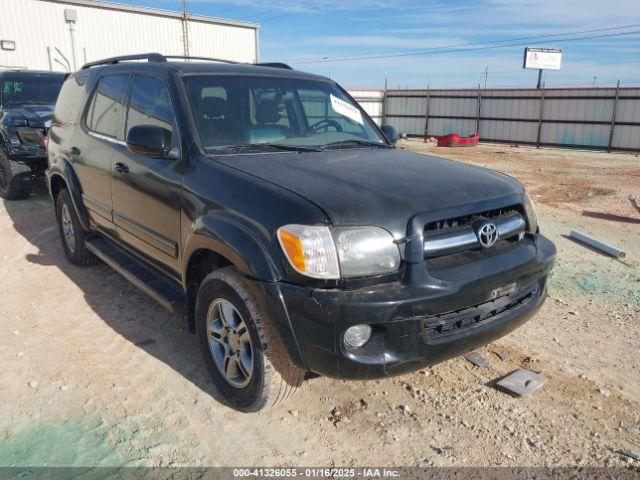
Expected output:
(31, 136)
(365, 251)
(323, 252)
(530, 210)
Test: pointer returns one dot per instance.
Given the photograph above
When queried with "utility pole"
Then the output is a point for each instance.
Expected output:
(185, 28)
(71, 17)
(486, 74)
(595, 78)
(539, 79)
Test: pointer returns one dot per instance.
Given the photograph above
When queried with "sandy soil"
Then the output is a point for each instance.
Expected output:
(95, 373)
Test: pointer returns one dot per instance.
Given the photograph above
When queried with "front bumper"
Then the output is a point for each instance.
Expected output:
(413, 325)
(35, 160)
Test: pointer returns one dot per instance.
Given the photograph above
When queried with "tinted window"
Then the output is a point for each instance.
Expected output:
(318, 107)
(105, 112)
(150, 104)
(70, 100)
(250, 111)
(29, 89)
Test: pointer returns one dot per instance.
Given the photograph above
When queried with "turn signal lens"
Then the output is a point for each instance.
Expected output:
(310, 250)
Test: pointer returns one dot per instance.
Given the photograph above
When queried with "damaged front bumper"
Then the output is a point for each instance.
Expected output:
(413, 325)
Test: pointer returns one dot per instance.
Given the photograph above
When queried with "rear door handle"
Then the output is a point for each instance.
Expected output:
(121, 167)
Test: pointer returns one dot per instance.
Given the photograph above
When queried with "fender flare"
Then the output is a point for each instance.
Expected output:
(62, 168)
(226, 235)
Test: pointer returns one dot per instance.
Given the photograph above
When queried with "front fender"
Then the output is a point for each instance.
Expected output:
(248, 249)
(243, 245)
(62, 168)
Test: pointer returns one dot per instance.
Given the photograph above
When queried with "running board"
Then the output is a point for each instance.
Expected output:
(162, 289)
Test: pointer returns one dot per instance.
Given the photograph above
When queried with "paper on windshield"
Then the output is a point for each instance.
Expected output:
(346, 109)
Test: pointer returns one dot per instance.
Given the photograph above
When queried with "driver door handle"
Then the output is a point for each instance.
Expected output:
(121, 167)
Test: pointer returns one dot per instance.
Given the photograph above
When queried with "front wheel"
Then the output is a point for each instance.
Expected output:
(16, 179)
(241, 348)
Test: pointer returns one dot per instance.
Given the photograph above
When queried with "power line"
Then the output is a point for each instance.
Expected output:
(257, 16)
(272, 10)
(285, 14)
(476, 45)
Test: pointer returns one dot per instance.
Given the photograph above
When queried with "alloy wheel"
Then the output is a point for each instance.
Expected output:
(230, 343)
(67, 228)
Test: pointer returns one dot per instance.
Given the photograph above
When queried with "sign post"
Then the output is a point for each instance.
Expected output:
(542, 59)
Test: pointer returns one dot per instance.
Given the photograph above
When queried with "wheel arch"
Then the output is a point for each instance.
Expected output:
(61, 175)
(216, 241)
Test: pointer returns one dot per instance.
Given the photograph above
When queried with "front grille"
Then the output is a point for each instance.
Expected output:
(455, 235)
(455, 322)
(447, 224)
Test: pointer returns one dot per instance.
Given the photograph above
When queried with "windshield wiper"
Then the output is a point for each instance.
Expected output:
(356, 141)
(273, 146)
(292, 148)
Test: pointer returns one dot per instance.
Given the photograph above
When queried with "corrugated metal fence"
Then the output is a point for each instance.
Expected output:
(596, 118)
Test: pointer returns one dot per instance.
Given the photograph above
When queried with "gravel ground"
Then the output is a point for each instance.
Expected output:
(95, 373)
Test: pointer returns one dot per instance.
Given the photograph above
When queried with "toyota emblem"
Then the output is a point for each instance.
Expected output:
(487, 234)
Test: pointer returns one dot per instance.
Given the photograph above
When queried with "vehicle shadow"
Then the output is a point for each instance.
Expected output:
(121, 306)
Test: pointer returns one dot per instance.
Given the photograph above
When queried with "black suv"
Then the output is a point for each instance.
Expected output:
(264, 205)
(26, 106)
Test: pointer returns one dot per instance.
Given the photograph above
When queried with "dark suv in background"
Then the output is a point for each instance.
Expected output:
(26, 106)
(268, 208)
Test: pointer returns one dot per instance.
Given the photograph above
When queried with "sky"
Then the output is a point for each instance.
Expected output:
(441, 43)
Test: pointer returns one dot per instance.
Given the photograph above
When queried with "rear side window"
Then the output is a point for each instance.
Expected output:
(150, 104)
(69, 101)
(105, 111)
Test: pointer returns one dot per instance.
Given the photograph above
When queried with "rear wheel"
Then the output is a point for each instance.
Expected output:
(242, 350)
(72, 234)
(16, 179)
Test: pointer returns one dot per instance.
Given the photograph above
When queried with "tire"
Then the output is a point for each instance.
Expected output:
(273, 377)
(16, 179)
(72, 234)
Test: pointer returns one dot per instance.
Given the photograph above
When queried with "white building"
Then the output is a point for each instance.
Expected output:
(62, 35)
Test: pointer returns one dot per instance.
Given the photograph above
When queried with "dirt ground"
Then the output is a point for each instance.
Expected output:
(95, 373)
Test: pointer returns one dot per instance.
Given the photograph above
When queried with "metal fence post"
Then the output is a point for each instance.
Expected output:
(426, 117)
(384, 104)
(478, 111)
(613, 116)
(540, 117)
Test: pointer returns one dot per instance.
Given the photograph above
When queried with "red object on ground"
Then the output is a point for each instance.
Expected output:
(455, 140)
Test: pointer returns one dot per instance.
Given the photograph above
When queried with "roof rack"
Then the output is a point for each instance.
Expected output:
(150, 57)
(209, 59)
(159, 58)
(274, 65)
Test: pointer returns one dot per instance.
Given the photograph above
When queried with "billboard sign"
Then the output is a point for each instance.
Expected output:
(542, 58)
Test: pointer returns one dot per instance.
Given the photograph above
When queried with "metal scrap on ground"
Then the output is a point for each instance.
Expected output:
(502, 356)
(634, 202)
(625, 452)
(477, 359)
(597, 244)
(522, 383)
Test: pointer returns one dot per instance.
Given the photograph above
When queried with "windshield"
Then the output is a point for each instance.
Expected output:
(246, 113)
(29, 89)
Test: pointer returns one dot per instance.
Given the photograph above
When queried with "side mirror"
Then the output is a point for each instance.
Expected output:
(148, 140)
(390, 133)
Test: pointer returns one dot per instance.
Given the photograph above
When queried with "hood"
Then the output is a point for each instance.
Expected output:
(35, 116)
(382, 187)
